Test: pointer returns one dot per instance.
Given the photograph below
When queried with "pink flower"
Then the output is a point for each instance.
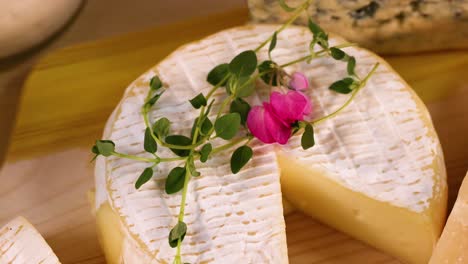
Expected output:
(298, 82)
(290, 107)
(273, 121)
(266, 126)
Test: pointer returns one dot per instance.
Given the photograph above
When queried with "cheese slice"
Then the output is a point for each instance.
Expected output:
(452, 247)
(20, 243)
(376, 173)
(398, 26)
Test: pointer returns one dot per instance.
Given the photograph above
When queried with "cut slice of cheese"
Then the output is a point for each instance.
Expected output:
(452, 247)
(20, 243)
(376, 173)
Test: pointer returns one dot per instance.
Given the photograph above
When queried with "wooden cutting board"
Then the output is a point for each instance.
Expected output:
(71, 93)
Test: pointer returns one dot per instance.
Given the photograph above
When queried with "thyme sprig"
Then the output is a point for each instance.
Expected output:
(238, 78)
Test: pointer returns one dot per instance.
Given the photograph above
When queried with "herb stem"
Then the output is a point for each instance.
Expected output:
(133, 157)
(297, 13)
(223, 105)
(184, 194)
(188, 175)
(210, 93)
(138, 158)
(317, 55)
(230, 144)
(162, 143)
(171, 159)
(351, 98)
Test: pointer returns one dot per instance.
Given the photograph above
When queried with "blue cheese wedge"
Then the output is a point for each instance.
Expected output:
(398, 26)
(20, 243)
(376, 172)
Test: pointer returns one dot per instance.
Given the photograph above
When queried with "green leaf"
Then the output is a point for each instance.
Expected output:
(104, 147)
(149, 143)
(315, 28)
(177, 233)
(240, 157)
(154, 99)
(226, 127)
(285, 7)
(351, 65)
(241, 107)
(95, 150)
(218, 74)
(205, 152)
(231, 86)
(245, 88)
(161, 127)
(344, 86)
(144, 177)
(320, 36)
(243, 64)
(204, 128)
(175, 180)
(338, 54)
(179, 140)
(307, 140)
(268, 72)
(198, 101)
(272, 44)
(155, 83)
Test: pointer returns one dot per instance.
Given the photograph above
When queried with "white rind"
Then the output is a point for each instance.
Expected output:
(20, 243)
(231, 218)
(380, 146)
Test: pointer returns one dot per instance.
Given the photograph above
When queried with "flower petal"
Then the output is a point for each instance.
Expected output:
(290, 107)
(256, 124)
(279, 131)
(299, 81)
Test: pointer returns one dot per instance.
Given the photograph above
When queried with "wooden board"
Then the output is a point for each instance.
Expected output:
(71, 93)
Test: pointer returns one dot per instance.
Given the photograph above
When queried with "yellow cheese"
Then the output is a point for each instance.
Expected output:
(109, 233)
(287, 207)
(452, 247)
(376, 172)
(406, 235)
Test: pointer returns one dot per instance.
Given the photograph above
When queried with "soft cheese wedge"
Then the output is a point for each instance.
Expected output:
(376, 172)
(452, 247)
(20, 243)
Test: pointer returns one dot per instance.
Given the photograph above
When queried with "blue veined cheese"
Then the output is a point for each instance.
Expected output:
(376, 173)
(398, 26)
(20, 243)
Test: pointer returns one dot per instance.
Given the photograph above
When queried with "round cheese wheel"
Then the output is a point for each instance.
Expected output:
(377, 165)
(25, 23)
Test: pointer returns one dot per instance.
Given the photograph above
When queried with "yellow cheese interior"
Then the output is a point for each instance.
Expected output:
(287, 207)
(407, 235)
(109, 233)
(453, 244)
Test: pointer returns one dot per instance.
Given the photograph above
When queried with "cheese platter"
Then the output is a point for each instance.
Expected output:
(73, 91)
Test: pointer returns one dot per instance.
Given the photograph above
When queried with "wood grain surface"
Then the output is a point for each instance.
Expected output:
(71, 92)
